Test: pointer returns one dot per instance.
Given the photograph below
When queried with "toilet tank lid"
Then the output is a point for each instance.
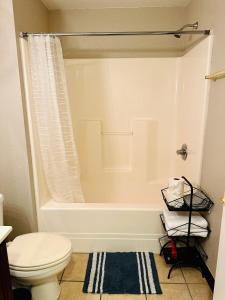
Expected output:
(37, 249)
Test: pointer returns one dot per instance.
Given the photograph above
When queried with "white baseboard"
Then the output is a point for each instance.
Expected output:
(85, 242)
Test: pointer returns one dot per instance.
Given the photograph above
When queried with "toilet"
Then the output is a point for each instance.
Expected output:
(35, 259)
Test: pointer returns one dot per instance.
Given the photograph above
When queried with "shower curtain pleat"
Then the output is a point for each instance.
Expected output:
(52, 119)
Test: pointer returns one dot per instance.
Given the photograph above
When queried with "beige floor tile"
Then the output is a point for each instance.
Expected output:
(163, 269)
(123, 297)
(192, 275)
(73, 291)
(172, 292)
(200, 292)
(76, 269)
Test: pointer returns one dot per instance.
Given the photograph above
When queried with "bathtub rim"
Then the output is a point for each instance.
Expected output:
(53, 205)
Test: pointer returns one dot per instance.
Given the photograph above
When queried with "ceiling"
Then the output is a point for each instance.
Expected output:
(99, 4)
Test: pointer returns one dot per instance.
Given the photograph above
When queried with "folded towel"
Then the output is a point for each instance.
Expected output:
(175, 219)
(183, 231)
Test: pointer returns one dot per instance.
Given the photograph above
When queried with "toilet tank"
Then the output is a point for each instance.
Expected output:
(1, 209)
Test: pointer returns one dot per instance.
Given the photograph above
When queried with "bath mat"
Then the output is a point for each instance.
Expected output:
(121, 273)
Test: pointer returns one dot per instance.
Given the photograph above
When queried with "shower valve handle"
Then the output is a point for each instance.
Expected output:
(183, 152)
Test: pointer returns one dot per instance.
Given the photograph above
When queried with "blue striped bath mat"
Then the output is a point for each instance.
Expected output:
(121, 273)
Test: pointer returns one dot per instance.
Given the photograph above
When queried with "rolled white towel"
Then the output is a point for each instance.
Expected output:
(176, 187)
(175, 192)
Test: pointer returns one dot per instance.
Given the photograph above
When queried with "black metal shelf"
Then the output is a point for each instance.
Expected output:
(188, 251)
(200, 201)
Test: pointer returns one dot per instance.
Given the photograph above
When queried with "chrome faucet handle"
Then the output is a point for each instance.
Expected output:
(183, 152)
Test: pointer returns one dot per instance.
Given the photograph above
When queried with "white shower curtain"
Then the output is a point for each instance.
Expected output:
(52, 120)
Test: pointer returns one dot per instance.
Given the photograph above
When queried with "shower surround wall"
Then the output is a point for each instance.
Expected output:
(129, 117)
(123, 117)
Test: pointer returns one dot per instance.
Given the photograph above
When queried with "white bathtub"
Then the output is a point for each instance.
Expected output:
(104, 227)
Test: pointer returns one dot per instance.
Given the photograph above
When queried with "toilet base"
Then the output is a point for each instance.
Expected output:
(48, 289)
(43, 282)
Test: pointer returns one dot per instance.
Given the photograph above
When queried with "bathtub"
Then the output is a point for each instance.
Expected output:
(104, 227)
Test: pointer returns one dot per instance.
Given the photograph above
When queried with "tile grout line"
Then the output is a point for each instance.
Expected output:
(81, 253)
(189, 292)
(161, 282)
(186, 283)
(72, 280)
(183, 274)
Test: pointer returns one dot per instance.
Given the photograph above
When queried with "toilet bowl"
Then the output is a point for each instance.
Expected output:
(35, 259)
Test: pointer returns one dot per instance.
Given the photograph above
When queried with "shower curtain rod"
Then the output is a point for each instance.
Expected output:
(119, 33)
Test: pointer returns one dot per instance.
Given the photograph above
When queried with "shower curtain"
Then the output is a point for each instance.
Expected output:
(52, 121)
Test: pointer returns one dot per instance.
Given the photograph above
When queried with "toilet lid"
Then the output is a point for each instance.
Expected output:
(37, 249)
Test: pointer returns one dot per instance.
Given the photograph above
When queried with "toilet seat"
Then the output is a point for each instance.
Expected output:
(38, 251)
(35, 259)
(39, 268)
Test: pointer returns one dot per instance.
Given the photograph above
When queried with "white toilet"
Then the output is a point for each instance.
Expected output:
(35, 259)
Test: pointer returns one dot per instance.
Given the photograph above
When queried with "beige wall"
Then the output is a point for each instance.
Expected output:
(118, 20)
(15, 181)
(192, 103)
(211, 14)
(30, 15)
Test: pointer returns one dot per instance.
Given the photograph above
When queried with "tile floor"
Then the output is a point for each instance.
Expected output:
(185, 284)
